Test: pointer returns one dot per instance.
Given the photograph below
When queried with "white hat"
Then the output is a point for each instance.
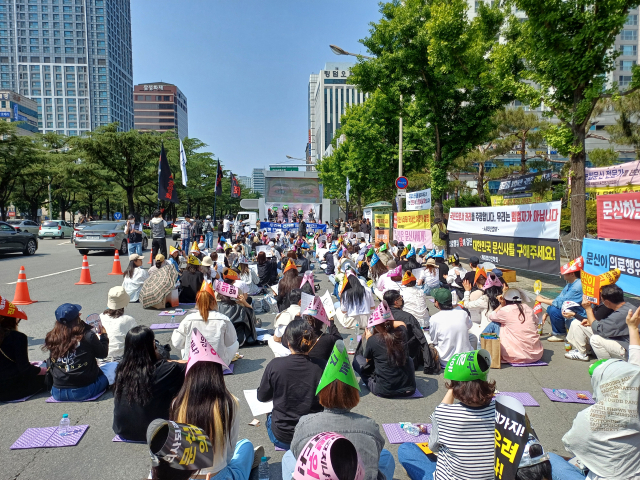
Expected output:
(135, 256)
(514, 294)
(208, 217)
(207, 262)
(117, 298)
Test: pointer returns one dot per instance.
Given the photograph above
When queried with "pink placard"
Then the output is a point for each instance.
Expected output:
(226, 289)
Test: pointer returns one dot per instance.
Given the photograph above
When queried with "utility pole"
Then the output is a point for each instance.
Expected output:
(399, 199)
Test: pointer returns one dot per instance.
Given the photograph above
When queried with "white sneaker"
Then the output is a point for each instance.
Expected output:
(576, 355)
(556, 338)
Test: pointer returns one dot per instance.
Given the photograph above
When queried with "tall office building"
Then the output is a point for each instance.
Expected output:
(245, 181)
(160, 106)
(23, 110)
(329, 97)
(73, 57)
(257, 181)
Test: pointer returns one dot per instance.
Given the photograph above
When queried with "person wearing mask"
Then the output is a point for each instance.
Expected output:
(116, 323)
(449, 328)
(415, 301)
(356, 302)
(607, 337)
(291, 382)
(145, 385)
(385, 365)
(315, 314)
(513, 320)
(133, 231)
(207, 229)
(158, 234)
(191, 280)
(283, 319)
(571, 292)
(205, 401)
(459, 428)
(339, 392)
(73, 352)
(267, 270)
(439, 235)
(134, 277)
(290, 280)
(18, 377)
(185, 233)
(237, 307)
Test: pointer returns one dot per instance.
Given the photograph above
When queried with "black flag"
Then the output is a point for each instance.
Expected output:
(166, 185)
(219, 180)
(235, 187)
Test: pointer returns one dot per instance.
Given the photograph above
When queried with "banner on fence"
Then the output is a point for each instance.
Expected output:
(619, 216)
(381, 235)
(601, 256)
(272, 228)
(621, 178)
(534, 254)
(413, 228)
(520, 199)
(537, 220)
(521, 183)
(420, 200)
(382, 220)
(417, 238)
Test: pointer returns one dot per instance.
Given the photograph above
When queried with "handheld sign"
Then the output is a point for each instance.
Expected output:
(510, 437)
(94, 322)
(537, 287)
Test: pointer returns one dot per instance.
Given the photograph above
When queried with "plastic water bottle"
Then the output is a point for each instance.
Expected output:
(263, 469)
(63, 428)
(357, 330)
(351, 348)
(411, 429)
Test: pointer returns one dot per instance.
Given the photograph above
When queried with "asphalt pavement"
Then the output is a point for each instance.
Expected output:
(51, 275)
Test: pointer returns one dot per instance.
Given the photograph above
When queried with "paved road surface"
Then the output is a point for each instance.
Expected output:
(96, 457)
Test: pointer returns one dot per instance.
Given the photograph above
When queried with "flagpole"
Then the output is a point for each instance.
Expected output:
(215, 194)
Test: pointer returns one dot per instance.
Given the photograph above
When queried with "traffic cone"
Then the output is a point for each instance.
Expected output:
(151, 257)
(21, 296)
(117, 268)
(85, 275)
(201, 239)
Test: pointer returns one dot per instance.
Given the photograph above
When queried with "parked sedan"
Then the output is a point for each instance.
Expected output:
(104, 235)
(55, 229)
(25, 225)
(12, 240)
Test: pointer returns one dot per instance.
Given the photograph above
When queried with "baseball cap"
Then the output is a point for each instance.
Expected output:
(475, 260)
(442, 296)
(67, 312)
(497, 272)
(135, 256)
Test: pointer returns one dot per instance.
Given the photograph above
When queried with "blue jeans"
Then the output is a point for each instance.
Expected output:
(418, 465)
(559, 324)
(186, 243)
(208, 240)
(135, 248)
(386, 464)
(563, 470)
(493, 327)
(272, 437)
(81, 394)
(239, 468)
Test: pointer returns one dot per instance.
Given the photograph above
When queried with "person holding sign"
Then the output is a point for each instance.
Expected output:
(235, 305)
(339, 392)
(462, 434)
(314, 313)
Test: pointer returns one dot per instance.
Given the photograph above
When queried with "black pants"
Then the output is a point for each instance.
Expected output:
(159, 244)
(17, 388)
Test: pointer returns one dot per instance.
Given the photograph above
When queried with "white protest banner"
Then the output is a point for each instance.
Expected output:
(535, 220)
(420, 200)
(328, 304)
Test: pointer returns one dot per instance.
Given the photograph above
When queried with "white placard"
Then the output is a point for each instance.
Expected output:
(535, 220)
(327, 302)
(257, 407)
(420, 200)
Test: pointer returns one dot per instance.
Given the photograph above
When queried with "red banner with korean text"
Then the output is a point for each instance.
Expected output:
(619, 216)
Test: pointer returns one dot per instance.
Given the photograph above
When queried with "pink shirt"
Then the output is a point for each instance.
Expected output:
(519, 341)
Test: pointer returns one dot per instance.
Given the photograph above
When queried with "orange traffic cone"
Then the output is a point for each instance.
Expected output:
(117, 268)
(85, 275)
(151, 258)
(21, 296)
(201, 239)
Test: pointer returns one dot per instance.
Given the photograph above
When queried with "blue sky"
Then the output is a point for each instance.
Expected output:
(244, 66)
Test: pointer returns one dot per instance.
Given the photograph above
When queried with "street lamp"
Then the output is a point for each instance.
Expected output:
(340, 51)
(294, 158)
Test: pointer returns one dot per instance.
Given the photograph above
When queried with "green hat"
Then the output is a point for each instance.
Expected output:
(593, 367)
(442, 296)
(338, 368)
(370, 252)
(468, 366)
(408, 246)
(383, 248)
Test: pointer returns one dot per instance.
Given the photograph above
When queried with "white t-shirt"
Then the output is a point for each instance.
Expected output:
(225, 225)
(385, 283)
(449, 332)
(363, 308)
(117, 329)
(432, 279)
(242, 286)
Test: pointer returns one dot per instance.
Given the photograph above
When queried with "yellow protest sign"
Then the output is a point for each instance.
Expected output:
(591, 287)
(537, 287)
(610, 277)
(419, 220)
(381, 221)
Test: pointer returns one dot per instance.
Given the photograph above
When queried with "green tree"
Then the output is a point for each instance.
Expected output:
(564, 51)
(626, 130)
(526, 128)
(16, 153)
(431, 52)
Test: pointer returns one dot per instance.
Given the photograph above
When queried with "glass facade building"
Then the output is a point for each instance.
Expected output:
(160, 106)
(257, 181)
(73, 57)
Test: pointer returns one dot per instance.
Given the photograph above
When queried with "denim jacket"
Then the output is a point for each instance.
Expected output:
(571, 291)
(362, 431)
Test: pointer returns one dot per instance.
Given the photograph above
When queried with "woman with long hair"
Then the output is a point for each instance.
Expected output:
(290, 280)
(291, 382)
(249, 277)
(145, 385)
(267, 270)
(191, 280)
(205, 401)
(356, 302)
(239, 310)
(514, 321)
(116, 323)
(324, 329)
(73, 349)
(134, 277)
(18, 378)
(430, 276)
(385, 365)
(476, 300)
(216, 327)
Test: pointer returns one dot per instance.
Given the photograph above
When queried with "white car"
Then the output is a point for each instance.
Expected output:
(55, 229)
(175, 231)
(25, 225)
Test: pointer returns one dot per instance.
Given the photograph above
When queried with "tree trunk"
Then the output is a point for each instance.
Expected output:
(63, 204)
(3, 212)
(577, 199)
(130, 203)
(457, 197)
(523, 154)
(480, 183)
(108, 208)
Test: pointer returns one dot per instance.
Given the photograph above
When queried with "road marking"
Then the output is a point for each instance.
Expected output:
(66, 243)
(51, 274)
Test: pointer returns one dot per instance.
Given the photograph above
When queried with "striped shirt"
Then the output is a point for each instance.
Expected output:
(463, 437)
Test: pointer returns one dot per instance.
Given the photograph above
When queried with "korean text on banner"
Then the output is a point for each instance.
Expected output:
(536, 220)
(591, 287)
(420, 200)
(381, 221)
(272, 228)
(534, 254)
(600, 256)
(381, 235)
(412, 220)
(613, 176)
(619, 216)
(511, 436)
(417, 238)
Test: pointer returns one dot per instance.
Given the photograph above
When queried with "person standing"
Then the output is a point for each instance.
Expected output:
(133, 231)
(439, 234)
(302, 228)
(207, 228)
(185, 233)
(158, 241)
(226, 227)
